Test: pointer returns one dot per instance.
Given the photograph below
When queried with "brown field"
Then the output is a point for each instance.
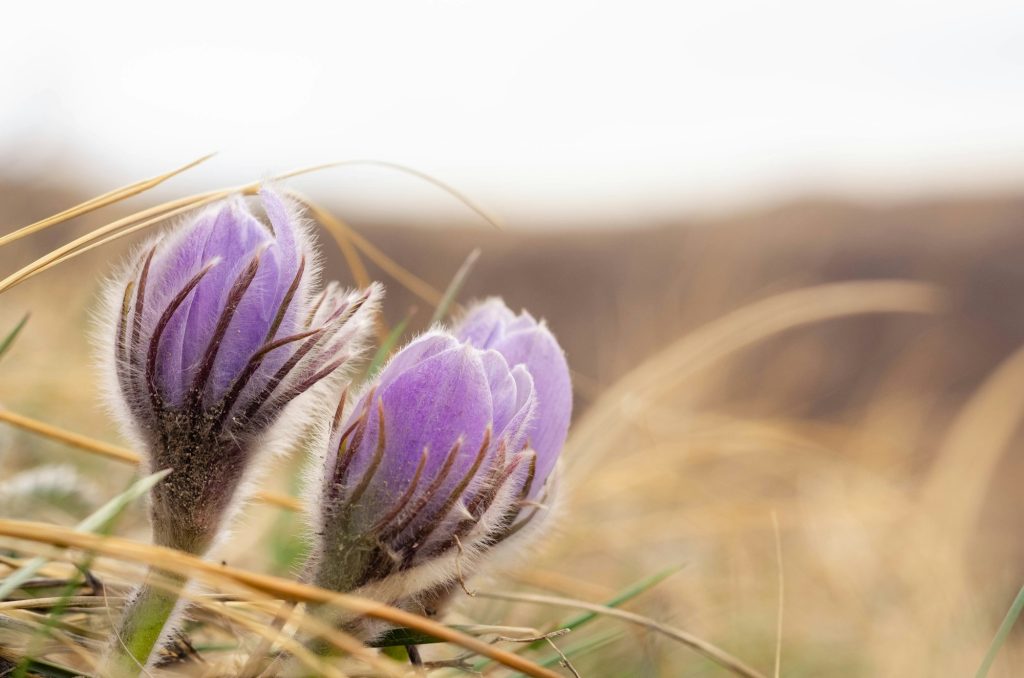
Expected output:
(823, 395)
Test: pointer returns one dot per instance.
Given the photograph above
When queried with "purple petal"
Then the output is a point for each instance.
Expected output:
(416, 351)
(178, 258)
(249, 329)
(232, 235)
(524, 341)
(518, 428)
(484, 323)
(523, 321)
(228, 236)
(283, 219)
(431, 406)
(538, 350)
(504, 397)
(233, 240)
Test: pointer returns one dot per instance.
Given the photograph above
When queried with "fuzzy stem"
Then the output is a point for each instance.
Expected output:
(143, 624)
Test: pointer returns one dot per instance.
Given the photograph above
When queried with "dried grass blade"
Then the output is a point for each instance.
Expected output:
(215, 574)
(624, 596)
(346, 237)
(100, 201)
(117, 453)
(108, 233)
(662, 373)
(703, 647)
(339, 231)
(411, 171)
(96, 521)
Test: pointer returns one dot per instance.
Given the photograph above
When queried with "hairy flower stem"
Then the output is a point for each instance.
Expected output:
(143, 624)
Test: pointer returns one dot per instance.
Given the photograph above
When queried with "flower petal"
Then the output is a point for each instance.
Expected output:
(484, 323)
(431, 406)
(416, 351)
(538, 350)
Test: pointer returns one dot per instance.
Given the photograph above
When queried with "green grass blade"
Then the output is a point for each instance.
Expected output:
(1001, 635)
(583, 647)
(403, 636)
(620, 598)
(94, 523)
(46, 669)
(7, 341)
(24, 668)
(215, 647)
(454, 286)
(388, 345)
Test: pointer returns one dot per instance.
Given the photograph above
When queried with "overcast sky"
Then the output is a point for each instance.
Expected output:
(574, 109)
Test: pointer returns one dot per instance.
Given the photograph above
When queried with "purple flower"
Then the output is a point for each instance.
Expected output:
(434, 466)
(215, 330)
(521, 340)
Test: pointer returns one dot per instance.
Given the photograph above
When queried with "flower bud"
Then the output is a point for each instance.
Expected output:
(210, 333)
(435, 463)
(521, 340)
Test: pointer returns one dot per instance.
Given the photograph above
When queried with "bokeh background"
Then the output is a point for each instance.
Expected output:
(668, 177)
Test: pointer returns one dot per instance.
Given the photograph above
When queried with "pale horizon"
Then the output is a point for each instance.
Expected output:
(568, 112)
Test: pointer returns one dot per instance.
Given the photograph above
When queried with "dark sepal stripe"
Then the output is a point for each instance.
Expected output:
(140, 304)
(286, 302)
(158, 332)
(421, 503)
(345, 453)
(378, 455)
(409, 546)
(250, 368)
(121, 357)
(235, 296)
(400, 505)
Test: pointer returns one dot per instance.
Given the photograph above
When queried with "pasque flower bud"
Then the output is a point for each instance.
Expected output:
(445, 455)
(521, 340)
(212, 331)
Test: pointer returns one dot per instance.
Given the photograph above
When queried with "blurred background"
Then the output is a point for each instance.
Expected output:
(674, 182)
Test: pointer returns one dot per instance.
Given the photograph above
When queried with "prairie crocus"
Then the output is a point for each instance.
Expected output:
(435, 466)
(215, 331)
(212, 332)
